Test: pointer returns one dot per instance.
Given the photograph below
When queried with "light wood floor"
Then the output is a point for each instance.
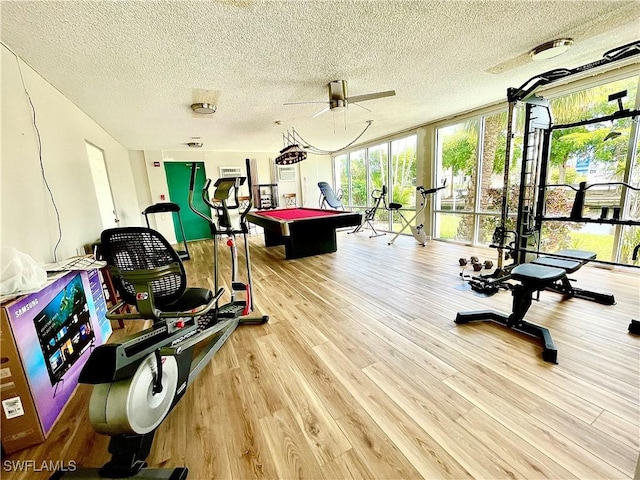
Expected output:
(362, 373)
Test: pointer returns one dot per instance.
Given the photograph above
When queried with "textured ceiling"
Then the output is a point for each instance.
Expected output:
(136, 66)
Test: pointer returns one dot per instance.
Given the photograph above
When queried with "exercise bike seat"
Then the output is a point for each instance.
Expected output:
(395, 206)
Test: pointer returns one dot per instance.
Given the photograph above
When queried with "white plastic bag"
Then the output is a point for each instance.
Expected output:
(19, 272)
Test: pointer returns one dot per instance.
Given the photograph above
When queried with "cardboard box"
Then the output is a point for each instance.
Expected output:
(45, 339)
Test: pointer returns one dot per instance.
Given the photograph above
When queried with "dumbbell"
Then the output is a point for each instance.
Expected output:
(475, 263)
(488, 264)
(463, 261)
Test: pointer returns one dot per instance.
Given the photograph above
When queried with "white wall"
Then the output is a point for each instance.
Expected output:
(27, 217)
(316, 168)
(212, 163)
(141, 181)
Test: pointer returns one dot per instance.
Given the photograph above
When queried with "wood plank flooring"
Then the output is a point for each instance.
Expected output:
(362, 373)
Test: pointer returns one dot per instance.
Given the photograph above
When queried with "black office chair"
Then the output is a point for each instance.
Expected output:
(329, 197)
(149, 274)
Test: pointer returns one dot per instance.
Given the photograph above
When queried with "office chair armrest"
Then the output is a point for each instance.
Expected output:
(111, 315)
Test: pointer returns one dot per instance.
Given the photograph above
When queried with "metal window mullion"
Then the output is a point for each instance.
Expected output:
(631, 154)
(367, 172)
(390, 187)
(476, 205)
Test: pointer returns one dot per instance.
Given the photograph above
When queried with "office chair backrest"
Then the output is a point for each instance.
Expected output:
(329, 196)
(140, 248)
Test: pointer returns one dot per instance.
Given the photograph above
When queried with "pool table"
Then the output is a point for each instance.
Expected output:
(303, 231)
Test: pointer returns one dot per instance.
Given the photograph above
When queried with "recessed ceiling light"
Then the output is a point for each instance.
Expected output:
(551, 49)
(204, 108)
(195, 144)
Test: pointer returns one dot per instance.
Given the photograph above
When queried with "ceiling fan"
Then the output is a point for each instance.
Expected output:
(339, 99)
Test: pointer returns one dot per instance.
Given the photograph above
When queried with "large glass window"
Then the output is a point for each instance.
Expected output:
(458, 163)
(358, 173)
(378, 156)
(362, 174)
(471, 156)
(630, 235)
(403, 174)
(596, 154)
(341, 164)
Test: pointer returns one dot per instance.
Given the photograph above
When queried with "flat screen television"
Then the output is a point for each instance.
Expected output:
(64, 329)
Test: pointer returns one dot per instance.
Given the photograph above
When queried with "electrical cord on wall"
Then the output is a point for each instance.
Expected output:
(39, 141)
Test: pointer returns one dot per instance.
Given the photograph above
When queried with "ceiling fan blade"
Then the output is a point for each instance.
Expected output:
(371, 96)
(325, 109)
(358, 105)
(301, 103)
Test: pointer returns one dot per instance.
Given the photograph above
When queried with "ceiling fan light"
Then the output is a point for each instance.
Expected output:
(203, 108)
(551, 49)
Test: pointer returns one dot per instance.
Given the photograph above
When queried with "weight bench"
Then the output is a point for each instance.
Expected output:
(533, 278)
(543, 273)
(571, 261)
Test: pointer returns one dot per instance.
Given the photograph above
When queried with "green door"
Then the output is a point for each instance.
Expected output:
(178, 177)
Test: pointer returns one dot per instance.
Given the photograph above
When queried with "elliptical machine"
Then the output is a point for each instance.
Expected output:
(230, 222)
(139, 380)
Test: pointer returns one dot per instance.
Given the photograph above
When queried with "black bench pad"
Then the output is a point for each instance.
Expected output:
(569, 266)
(537, 275)
(583, 255)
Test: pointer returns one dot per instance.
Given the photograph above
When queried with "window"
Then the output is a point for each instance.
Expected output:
(358, 174)
(457, 155)
(403, 175)
(471, 155)
(361, 174)
(341, 172)
(599, 155)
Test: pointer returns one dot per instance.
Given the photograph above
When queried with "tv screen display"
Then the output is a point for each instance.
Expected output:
(64, 329)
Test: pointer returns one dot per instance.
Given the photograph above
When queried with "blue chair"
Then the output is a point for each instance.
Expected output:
(329, 197)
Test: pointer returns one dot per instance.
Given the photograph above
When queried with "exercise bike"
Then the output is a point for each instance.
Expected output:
(369, 216)
(417, 231)
(139, 380)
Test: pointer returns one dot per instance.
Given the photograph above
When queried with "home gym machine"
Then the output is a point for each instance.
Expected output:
(533, 269)
(140, 379)
(416, 230)
(536, 151)
(378, 195)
